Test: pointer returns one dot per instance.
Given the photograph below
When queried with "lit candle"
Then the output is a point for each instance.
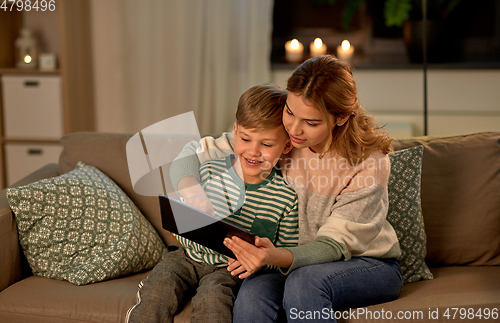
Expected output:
(294, 51)
(317, 48)
(345, 51)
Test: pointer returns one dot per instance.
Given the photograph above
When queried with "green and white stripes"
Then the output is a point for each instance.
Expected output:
(267, 209)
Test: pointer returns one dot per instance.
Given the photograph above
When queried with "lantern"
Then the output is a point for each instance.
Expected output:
(26, 46)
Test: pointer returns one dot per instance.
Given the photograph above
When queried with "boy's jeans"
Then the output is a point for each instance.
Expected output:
(176, 278)
(321, 289)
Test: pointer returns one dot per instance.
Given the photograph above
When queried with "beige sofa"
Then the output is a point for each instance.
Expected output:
(461, 207)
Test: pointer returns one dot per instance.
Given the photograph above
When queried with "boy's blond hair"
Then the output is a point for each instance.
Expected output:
(261, 107)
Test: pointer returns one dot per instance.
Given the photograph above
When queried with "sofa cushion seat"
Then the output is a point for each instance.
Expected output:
(462, 287)
(56, 301)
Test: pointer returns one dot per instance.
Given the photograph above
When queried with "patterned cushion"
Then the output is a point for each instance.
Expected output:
(81, 227)
(405, 212)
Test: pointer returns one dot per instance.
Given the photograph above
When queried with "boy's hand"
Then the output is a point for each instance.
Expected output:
(190, 189)
(235, 267)
(202, 203)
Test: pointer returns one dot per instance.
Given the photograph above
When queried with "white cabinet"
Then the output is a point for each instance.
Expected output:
(32, 107)
(463, 101)
(22, 159)
(32, 123)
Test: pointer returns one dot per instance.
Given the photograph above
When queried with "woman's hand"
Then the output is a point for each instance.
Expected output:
(251, 258)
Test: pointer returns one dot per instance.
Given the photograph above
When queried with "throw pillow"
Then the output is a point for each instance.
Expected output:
(81, 227)
(405, 212)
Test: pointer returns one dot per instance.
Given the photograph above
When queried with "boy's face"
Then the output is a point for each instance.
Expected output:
(259, 150)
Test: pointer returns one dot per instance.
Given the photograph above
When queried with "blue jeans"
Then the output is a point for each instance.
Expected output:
(316, 290)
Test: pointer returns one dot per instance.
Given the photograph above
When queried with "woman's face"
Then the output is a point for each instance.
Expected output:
(305, 124)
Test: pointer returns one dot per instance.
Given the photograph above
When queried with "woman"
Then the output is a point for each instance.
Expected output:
(339, 168)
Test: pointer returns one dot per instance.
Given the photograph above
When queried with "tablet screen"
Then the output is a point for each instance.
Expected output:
(200, 227)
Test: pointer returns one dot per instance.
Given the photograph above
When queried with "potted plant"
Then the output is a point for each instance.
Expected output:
(396, 12)
(442, 42)
(408, 14)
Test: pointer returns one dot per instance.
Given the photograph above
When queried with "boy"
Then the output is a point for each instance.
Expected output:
(246, 189)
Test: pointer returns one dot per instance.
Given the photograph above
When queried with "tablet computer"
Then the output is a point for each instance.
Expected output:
(199, 226)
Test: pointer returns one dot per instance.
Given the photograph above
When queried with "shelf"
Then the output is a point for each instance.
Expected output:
(393, 63)
(19, 71)
(31, 141)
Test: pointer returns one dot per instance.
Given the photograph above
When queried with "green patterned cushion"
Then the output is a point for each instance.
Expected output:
(405, 212)
(81, 227)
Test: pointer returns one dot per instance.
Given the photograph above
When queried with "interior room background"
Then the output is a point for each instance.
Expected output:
(145, 61)
(156, 59)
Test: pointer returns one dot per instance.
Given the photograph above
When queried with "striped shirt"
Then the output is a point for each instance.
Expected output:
(267, 209)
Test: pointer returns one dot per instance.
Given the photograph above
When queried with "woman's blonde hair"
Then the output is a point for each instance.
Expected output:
(328, 84)
(261, 107)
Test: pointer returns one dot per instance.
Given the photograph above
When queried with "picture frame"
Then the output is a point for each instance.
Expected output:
(47, 62)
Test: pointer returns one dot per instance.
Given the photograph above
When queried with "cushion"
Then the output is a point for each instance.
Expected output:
(460, 198)
(107, 151)
(81, 227)
(405, 212)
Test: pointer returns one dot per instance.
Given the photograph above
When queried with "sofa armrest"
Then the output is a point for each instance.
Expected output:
(10, 251)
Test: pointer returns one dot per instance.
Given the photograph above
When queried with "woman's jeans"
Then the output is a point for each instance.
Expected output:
(316, 292)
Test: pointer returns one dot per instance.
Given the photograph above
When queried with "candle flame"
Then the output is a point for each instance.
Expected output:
(318, 43)
(346, 45)
(27, 59)
(294, 44)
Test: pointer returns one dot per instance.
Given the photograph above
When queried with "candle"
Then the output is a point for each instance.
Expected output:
(317, 48)
(294, 51)
(345, 51)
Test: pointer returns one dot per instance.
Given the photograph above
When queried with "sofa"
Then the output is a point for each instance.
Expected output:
(460, 199)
